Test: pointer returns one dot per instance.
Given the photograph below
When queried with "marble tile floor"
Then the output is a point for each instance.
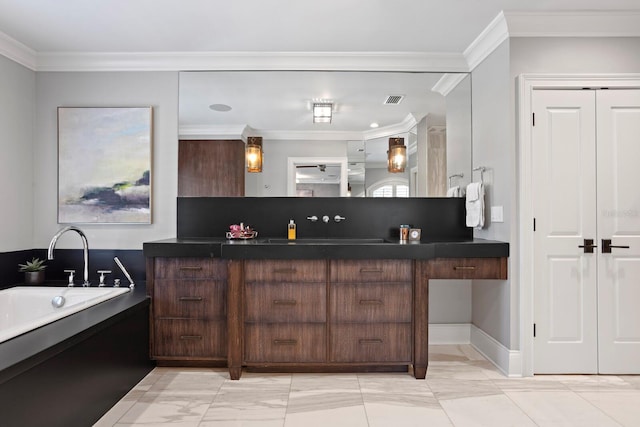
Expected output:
(462, 389)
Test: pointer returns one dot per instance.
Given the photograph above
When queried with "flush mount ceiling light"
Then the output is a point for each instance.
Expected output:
(322, 112)
(397, 155)
(254, 154)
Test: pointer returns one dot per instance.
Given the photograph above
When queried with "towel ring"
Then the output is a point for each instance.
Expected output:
(481, 169)
(456, 175)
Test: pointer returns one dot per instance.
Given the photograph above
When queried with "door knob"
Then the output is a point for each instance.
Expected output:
(588, 246)
(606, 246)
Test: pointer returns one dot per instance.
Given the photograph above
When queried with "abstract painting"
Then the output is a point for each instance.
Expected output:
(104, 165)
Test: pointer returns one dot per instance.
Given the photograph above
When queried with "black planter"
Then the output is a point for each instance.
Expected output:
(34, 277)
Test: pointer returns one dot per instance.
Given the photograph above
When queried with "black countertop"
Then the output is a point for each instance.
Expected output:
(262, 248)
(25, 351)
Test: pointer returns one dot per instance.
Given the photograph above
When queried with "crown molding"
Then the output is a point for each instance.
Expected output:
(17, 52)
(265, 61)
(242, 131)
(404, 126)
(487, 41)
(448, 82)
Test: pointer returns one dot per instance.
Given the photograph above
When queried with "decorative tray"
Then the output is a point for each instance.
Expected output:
(231, 235)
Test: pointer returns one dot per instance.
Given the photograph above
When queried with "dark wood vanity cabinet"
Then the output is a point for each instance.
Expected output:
(307, 314)
(189, 309)
(285, 311)
(370, 311)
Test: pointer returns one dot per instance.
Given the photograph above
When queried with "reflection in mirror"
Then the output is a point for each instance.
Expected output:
(317, 176)
(431, 111)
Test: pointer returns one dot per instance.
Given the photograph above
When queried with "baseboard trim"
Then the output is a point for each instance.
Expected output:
(509, 362)
(449, 333)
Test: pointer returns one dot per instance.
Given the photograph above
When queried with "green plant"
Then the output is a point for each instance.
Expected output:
(36, 264)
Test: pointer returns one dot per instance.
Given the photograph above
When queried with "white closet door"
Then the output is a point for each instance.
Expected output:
(564, 175)
(618, 136)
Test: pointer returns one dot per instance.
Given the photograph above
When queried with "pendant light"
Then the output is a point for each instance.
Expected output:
(397, 155)
(254, 154)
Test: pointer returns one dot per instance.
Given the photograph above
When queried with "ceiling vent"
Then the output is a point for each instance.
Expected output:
(393, 99)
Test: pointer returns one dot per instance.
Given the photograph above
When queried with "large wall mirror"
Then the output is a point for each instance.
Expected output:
(431, 112)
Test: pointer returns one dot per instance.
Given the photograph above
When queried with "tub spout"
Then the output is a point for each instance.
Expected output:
(85, 249)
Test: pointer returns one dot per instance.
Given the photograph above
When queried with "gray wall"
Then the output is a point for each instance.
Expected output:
(495, 305)
(17, 104)
(494, 148)
(98, 89)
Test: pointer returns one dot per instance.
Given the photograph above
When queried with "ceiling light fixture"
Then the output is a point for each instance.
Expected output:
(397, 155)
(322, 112)
(254, 154)
(374, 125)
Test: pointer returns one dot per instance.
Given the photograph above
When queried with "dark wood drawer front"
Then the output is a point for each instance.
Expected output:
(285, 302)
(376, 342)
(467, 268)
(190, 268)
(397, 270)
(289, 271)
(190, 338)
(285, 343)
(375, 302)
(201, 299)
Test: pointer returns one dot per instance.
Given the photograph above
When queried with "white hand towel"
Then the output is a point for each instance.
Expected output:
(454, 191)
(475, 205)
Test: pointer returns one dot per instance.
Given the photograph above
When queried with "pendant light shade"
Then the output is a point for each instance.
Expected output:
(397, 155)
(254, 154)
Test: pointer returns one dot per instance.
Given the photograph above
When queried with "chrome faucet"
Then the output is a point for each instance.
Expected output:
(85, 249)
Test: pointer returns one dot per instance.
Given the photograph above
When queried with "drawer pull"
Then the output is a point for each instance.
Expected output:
(370, 341)
(284, 270)
(370, 270)
(284, 302)
(285, 342)
(464, 267)
(187, 268)
(370, 302)
(188, 299)
(191, 337)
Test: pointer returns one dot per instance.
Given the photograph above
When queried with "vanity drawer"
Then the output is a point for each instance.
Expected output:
(375, 270)
(285, 271)
(190, 338)
(374, 342)
(370, 302)
(201, 299)
(285, 302)
(285, 343)
(467, 268)
(190, 268)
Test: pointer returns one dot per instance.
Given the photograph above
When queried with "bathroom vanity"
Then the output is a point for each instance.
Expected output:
(345, 301)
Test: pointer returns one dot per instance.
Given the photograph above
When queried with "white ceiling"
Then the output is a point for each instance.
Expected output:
(437, 26)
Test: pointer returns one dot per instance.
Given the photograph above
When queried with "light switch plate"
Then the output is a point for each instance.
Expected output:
(497, 214)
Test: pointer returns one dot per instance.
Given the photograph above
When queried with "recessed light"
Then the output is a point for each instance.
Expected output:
(220, 107)
(374, 125)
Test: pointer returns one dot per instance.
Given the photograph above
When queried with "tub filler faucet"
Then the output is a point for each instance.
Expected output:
(85, 250)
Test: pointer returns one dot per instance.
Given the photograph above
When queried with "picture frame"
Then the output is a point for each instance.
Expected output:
(104, 165)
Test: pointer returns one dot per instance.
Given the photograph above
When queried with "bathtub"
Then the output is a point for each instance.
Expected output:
(69, 372)
(24, 308)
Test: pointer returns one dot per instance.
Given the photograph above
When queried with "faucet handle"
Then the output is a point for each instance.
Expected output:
(312, 218)
(102, 273)
(325, 219)
(338, 218)
(71, 273)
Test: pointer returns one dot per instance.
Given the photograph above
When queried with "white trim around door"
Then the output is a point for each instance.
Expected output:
(527, 83)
